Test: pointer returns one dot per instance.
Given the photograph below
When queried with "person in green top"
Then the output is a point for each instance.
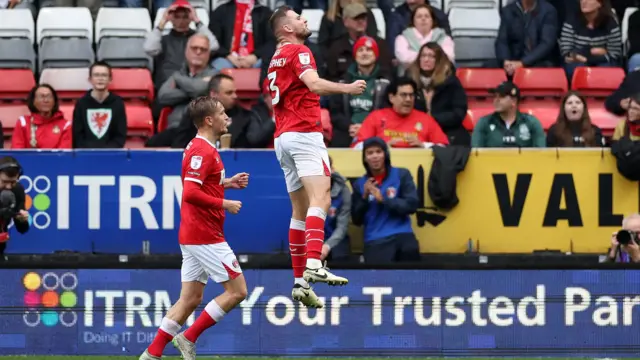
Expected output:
(507, 126)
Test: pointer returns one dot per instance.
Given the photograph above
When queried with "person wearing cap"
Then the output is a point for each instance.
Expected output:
(332, 25)
(168, 50)
(340, 56)
(507, 126)
(349, 111)
(242, 27)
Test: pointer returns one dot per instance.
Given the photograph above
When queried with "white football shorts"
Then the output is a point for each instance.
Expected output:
(300, 155)
(217, 261)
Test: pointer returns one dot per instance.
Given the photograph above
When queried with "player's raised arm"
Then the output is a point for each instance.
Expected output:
(322, 87)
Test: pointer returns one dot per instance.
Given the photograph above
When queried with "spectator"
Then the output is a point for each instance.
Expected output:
(634, 42)
(401, 125)
(440, 93)
(298, 5)
(424, 28)
(332, 26)
(45, 127)
(168, 50)
(99, 117)
(242, 27)
(189, 82)
(336, 227)
(574, 128)
(401, 16)
(618, 102)
(340, 56)
(628, 253)
(527, 35)
(349, 111)
(157, 4)
(507, 126)
(630, 127)
(591, 38)
(382, 202)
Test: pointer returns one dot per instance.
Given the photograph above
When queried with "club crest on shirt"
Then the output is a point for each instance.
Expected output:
(196, 162)
(332, 211)
(99, 121)
(419, 126)
(391, 192)
(235, 264)
(305, 59)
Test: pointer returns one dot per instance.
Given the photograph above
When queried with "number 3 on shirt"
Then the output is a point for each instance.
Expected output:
(275, 98)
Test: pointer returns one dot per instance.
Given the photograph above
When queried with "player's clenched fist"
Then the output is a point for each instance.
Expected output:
(357, 87)
(232, 206)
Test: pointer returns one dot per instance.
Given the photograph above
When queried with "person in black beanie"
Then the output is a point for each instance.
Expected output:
(12, 200)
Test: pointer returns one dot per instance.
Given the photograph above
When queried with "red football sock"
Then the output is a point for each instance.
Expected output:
(168, 329)
(210, 316)
(297, 247)
(315, 232)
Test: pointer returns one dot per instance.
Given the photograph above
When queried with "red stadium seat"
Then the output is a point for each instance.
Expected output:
(67, 110)
(9, 114)
(547, 116)
(541, 82)
(247, 82)
(70, 84)
(133, 84)
(163, 121)
(474, 114)
(605, 120)
(597, 81)
(139, 121)
(477, 82)
(15, 84)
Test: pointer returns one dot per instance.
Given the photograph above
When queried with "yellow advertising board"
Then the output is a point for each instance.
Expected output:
(515, 200)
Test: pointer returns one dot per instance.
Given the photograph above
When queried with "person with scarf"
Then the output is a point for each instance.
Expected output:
(243, 36)
(630, 127)
(45, 127)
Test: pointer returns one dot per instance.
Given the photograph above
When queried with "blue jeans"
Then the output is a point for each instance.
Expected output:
(298, 5)
(157, 4)
(222, 63)
(570, 68)
(634, 62)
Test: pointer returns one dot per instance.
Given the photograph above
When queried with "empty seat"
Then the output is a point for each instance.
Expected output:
(597, 81)
(474, 22)
(17, 53)
(67, 110)
(69, 83)
(314, 19)
(65, 53)
(546, 115)
(132, 84)
(17, 23)
(247, 82)
(605, 120)
(475, 114)
(380, 22)
(474, 52)
(9, 114)
(477, 82)
(122, 22)
(203, 15)
(471, 4)
(124, 53)
(16, 84)
(64, 22)
(541, 82)
(139, 120)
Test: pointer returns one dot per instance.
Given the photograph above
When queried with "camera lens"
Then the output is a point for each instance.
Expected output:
(623, 237)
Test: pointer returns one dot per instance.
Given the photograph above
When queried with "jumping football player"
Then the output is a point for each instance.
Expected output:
(295, 90)
(205, 253)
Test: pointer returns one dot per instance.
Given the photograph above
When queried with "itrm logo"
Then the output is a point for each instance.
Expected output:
(50, 298)
(37, 202)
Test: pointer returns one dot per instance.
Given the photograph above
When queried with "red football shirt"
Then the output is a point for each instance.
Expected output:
(201, 163)
(295, 107)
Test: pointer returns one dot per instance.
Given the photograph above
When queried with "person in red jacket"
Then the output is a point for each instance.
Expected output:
(45, 127)
(402, 126)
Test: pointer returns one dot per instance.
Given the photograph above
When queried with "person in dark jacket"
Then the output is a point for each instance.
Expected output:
(574, 127)
(618, 102)
(340, 56)
(332, 25)
(99, 117)
(527, 36)
(400, 18)
(440, 92)
(10, 172)
(349, 111)
(227, 26)
(634, 42)
(336, 227)
(382, 201)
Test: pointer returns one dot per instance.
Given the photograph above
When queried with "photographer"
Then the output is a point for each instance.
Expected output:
(12, 200)
(624, 243)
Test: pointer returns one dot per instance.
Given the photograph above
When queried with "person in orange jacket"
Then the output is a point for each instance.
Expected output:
(45, 127)
(402, 126)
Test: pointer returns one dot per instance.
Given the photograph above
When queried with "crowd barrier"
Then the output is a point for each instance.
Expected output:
(522, 313)
(510, 201)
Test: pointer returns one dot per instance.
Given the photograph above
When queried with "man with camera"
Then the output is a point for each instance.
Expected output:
(624, 243)
(12, 200)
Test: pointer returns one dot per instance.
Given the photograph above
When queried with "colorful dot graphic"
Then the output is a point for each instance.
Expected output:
(46, 293)
(37, 202)
(31, 281)
(68, 299)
